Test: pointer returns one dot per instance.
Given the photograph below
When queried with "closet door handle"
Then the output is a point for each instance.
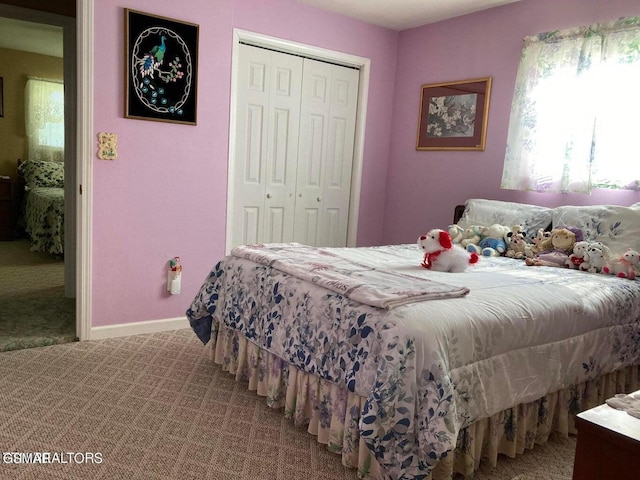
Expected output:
(319, 199)
(268, 195)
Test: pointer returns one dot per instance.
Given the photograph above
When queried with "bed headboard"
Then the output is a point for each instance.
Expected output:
(457, 213)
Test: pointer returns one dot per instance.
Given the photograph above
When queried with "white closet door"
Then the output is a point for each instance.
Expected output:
(267, 122)
(327, 131)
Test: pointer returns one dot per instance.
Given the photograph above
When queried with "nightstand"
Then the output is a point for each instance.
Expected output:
(608, 445)
(6, 209)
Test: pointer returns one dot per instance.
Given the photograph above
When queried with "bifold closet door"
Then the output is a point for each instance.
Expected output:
(325, 159)
(267, 123)
(295, 128)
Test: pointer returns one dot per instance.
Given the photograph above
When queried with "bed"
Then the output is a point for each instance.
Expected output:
(409, 373)
(42, 210)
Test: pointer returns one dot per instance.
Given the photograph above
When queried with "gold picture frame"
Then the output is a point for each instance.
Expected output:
(453, 115)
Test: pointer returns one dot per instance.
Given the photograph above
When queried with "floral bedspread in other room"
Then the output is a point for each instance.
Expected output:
(431, 368)
(44, 219)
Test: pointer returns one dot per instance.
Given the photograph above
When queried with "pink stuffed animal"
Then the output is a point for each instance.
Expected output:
(624, 266)
(441, 255)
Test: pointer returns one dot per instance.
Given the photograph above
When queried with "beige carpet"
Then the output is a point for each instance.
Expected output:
(155, 407)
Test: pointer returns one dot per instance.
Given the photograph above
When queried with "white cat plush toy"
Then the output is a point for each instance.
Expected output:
(442, 255)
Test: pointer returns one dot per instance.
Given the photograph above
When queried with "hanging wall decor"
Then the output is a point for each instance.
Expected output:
(453, 115)
(161, 68)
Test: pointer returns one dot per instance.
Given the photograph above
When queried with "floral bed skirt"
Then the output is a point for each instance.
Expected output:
(332, 412)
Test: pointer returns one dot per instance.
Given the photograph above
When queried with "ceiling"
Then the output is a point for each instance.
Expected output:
(393, 14)
(403, 14)
(30, 37)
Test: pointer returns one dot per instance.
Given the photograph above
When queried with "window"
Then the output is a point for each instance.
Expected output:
(44, 119)
(574, 123)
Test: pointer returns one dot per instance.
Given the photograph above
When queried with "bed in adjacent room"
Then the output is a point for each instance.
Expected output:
(42, 210)
(408, 372)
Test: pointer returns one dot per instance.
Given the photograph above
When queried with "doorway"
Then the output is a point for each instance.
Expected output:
(39, 301)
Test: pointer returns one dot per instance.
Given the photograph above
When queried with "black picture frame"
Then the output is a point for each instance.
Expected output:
(454, 115)
(161, 68)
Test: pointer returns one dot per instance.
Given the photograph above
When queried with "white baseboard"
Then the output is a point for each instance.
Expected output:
(137, 328)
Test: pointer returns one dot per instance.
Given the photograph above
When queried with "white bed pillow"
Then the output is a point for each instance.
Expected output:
(616, 226)
(479, 211)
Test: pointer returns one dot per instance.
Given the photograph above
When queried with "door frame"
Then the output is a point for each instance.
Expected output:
(78, 73)
(84, 167)
(363, 64)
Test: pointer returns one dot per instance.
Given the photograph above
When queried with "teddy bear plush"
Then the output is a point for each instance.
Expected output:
(554, 251)
(596, 258)
(577, 257)
(531, 249)
(456, 232)
(516, 245)
(471, 238)
(624, 266)
(494, 243)
(442, 255)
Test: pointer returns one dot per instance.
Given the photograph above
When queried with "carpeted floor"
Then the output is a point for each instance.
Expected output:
(33, 309)
(155, 407)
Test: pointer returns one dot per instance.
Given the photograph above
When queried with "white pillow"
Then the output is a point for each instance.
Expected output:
(616, 226)
(479, 211)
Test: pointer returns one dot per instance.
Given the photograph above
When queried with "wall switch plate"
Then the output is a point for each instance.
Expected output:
(107, 143)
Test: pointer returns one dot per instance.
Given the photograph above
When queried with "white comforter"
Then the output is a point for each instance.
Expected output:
(429, 369)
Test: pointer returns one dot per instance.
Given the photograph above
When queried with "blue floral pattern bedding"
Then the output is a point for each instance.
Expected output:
(432, 368)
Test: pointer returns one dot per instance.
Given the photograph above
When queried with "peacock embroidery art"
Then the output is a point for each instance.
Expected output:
(161, 68)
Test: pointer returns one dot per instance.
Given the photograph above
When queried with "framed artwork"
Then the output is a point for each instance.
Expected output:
(453, 115)
(1, 97)
(161, 68)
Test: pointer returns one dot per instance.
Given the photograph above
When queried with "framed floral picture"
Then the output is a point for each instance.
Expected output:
(161, 68)
(453, 115)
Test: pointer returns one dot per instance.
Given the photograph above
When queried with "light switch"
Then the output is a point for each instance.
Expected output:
(107, 143)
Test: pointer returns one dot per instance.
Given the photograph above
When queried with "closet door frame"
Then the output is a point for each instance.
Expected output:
(286, 46)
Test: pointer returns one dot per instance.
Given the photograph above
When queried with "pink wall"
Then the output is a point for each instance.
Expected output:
(423, 187)
(165, 195)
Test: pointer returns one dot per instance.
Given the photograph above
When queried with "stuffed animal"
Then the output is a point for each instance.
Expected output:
(516, 245)
(471, 238)
(554, 251)
(577, 257)
(518, 229)
(456, 232)
(624, 266)
(442, 255)
(541, 236)
(596, 258)
(599, 252)
(494, 243)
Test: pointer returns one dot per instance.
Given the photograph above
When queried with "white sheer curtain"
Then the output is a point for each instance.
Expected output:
(574, 115)
(44, 119)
